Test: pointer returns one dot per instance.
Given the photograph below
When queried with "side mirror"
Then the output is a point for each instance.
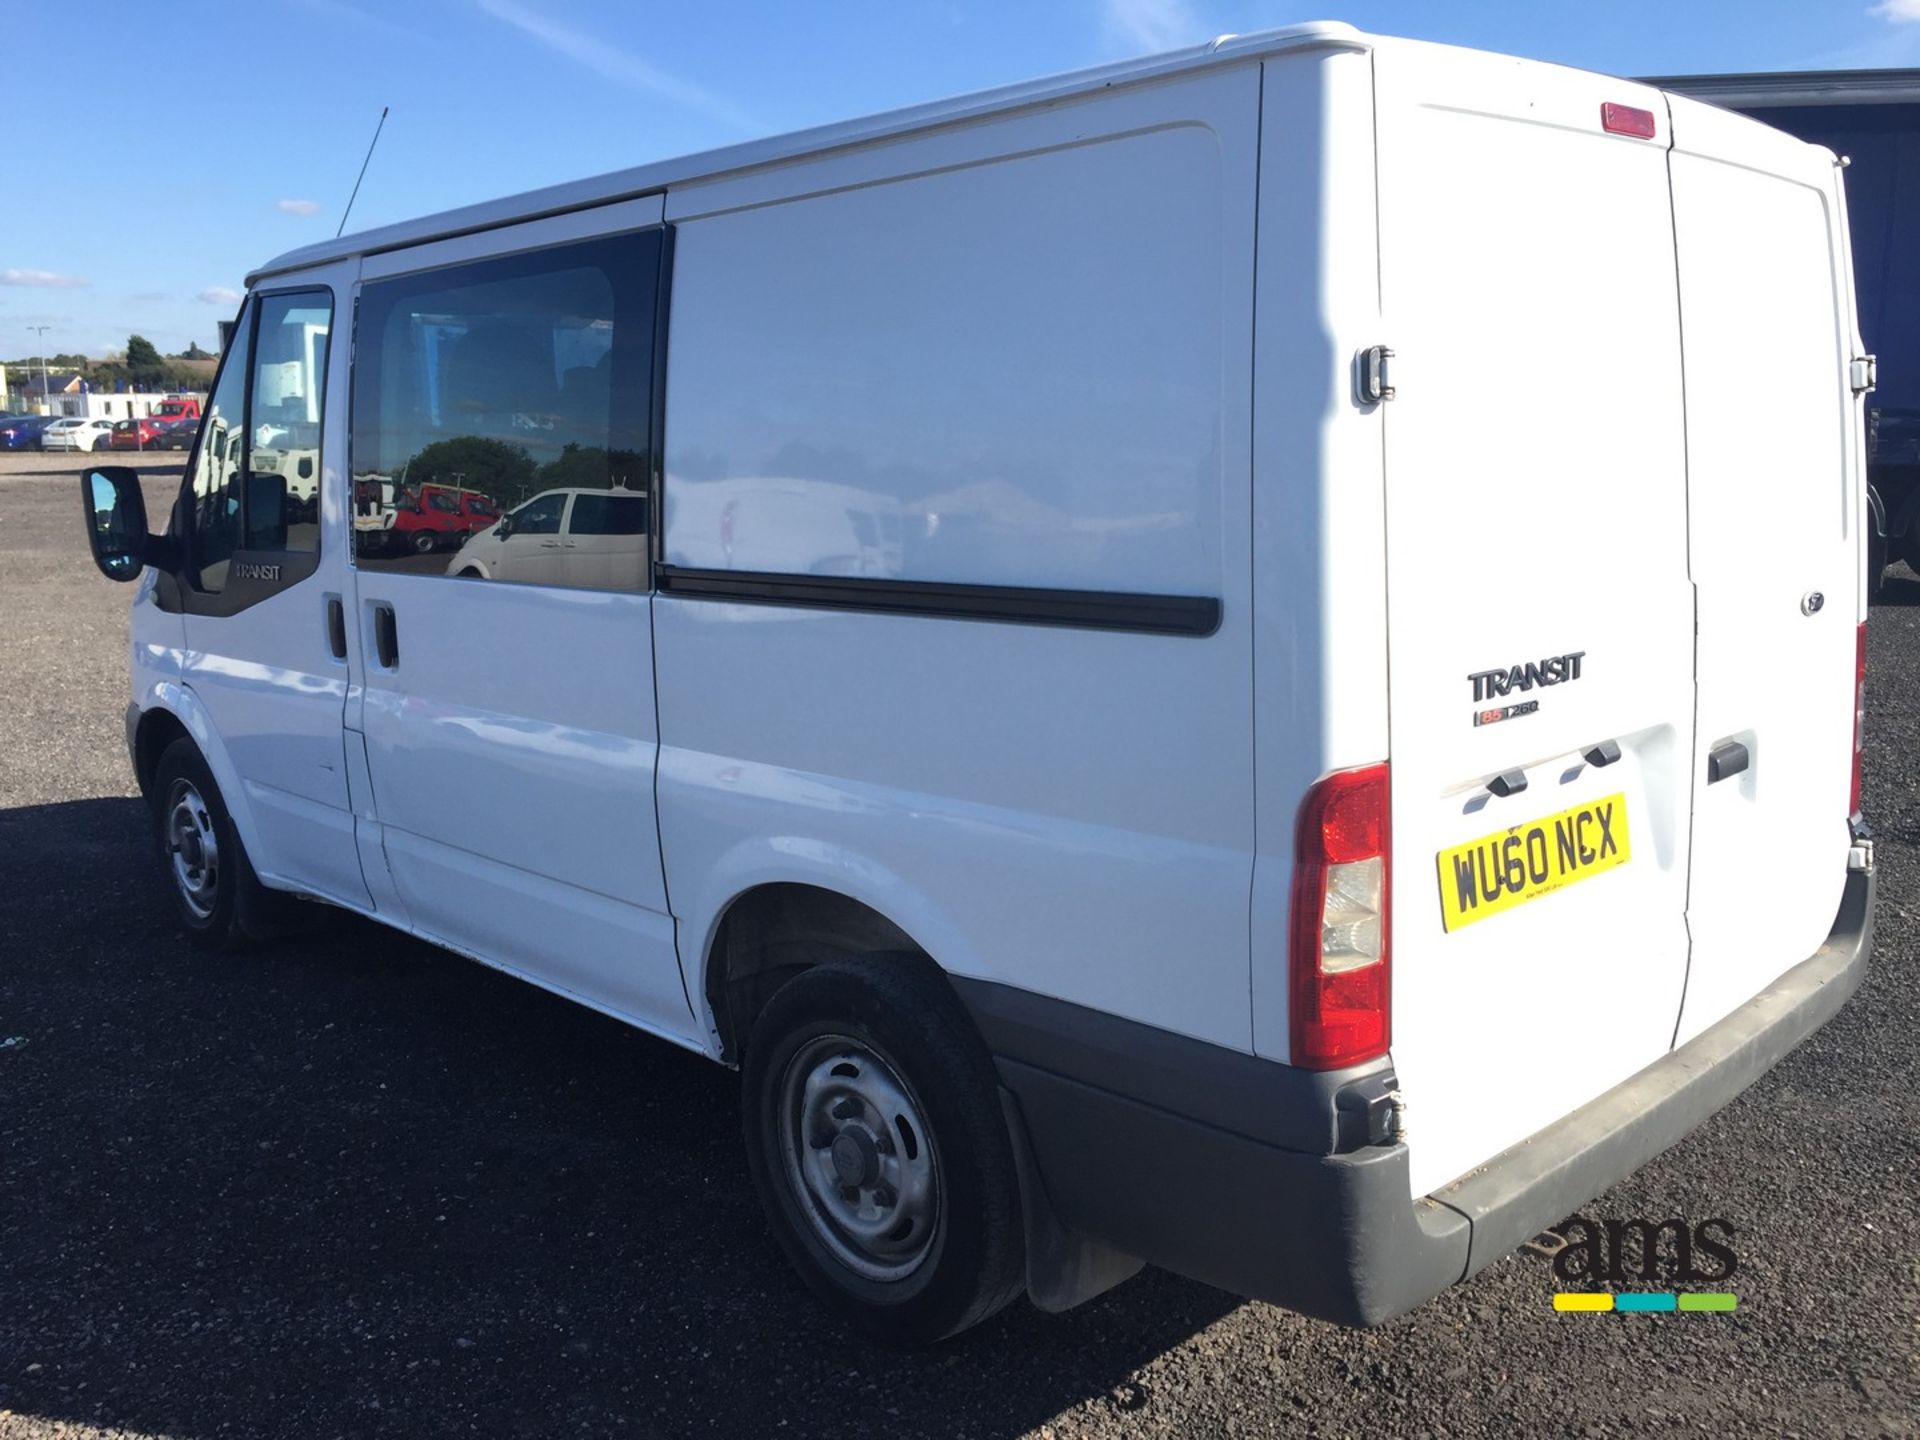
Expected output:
(503, 527)
(116, 514)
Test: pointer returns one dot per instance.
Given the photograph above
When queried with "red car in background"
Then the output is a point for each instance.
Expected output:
(439, 516)
(138, 434)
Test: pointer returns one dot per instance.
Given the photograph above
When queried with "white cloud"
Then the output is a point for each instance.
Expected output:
(218, 295)
(1900, 12)
(1145, 26)
(45, 279)
(614, 63)
(298, 207)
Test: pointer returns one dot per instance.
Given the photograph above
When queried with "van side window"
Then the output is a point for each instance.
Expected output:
(256, 473)
(216, 465)
(540, 515)
(608, 515)
(289, 391)
(515, 384)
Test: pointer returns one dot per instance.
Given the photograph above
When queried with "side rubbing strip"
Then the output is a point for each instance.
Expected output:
(1084, 609)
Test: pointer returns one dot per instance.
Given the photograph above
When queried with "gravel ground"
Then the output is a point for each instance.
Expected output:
(362, 1187)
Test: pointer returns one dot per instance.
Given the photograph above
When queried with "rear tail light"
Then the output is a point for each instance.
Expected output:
(1338, 961)
(1859, 714)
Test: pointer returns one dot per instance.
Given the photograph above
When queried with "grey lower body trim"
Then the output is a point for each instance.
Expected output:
(1177, 1157)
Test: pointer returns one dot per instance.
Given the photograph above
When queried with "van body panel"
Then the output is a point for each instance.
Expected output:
(1775, 494)
(1320, 558)
(1536, 513)
(1112, 826)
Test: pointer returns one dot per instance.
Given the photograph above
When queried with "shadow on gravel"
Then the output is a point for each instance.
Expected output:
(355, 1184)
(1898, 589)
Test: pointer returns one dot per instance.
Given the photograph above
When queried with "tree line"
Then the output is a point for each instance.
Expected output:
(142, 367)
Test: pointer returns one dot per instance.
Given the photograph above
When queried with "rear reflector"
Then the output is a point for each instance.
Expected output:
(1859, 715)
(1338, 957)
(1626, 120)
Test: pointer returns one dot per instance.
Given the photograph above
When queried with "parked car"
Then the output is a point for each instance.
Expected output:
(178, 407)
(590, 539)
(1198, 790)
(177, 435)
(422, 519)
(138, 434)
(22, 432)
(477, 511)
(74, 432)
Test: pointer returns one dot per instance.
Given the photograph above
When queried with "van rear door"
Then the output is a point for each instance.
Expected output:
(1775, 532)
(1540, 619)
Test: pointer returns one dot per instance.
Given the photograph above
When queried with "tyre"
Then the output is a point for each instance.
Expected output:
(877, 1145)
(424, 542)
(219, 900)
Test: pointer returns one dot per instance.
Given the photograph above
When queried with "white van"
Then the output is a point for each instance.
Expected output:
(582, 538)
(1316, 727)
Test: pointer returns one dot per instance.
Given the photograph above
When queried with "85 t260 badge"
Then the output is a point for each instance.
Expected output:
(1498, 872)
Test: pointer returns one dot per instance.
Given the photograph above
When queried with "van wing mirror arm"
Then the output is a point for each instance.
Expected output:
(165, 553)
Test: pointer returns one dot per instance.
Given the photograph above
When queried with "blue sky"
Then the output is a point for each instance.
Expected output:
(160, 181)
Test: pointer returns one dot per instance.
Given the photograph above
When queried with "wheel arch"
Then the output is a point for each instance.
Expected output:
(171, 711)
(771, 932)
(787, 906)
(771, 929)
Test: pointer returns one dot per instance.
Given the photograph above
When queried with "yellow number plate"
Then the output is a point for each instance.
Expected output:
(1498, 872)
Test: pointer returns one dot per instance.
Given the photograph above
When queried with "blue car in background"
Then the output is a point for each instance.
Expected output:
(22, 432)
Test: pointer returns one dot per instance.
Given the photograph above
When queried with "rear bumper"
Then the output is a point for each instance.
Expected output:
(1229, 1169)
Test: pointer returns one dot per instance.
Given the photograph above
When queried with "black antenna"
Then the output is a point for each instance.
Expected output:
(363, 173)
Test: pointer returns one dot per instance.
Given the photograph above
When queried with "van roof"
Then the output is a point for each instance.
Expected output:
(732, 159)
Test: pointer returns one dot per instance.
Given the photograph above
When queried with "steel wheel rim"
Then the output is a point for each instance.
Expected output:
(860, 1159)
(193, 848)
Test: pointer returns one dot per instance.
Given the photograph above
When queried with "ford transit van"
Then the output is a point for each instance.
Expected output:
(1248, 661)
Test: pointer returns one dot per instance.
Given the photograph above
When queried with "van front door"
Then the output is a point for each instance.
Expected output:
(509, 722)
(1540, 659)
(264, 510)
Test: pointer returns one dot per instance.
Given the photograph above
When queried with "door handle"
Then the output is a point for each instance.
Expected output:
(386, 636)
(1727, 758)
(336, 627)
(549, 544)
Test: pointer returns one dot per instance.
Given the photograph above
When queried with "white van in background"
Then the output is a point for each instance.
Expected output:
(588, 539)
(1248, 660)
